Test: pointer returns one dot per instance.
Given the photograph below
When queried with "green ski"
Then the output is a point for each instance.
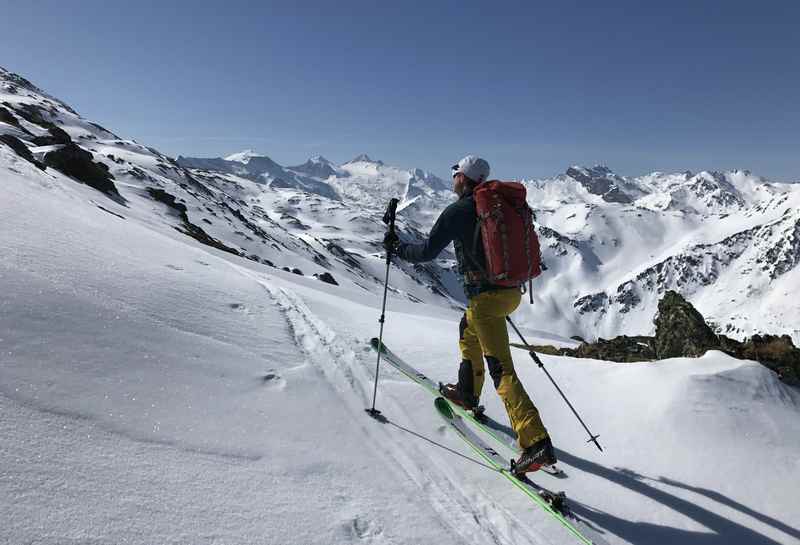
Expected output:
(553, 503)
(500, 433)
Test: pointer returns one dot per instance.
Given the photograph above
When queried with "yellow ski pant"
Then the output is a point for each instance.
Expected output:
(483, 333)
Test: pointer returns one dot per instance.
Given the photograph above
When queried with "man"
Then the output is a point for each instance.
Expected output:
(483, 332)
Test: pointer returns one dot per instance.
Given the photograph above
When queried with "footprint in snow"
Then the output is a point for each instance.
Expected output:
(272, 380)
(364, 529)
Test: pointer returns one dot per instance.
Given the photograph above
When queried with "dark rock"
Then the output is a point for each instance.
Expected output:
(343, 255)
(615, 194)
(775, 352)
(163, 197)
(592, 303)
(57, 136)
(297, 271)
(327, 278)
(578, 338)
(364, 158)
(188, 228)
(294, 222)
(601, 181)
(20, 149)
(78, 164)
(7, 117)
(318, 167)
(681, 330)
(258, 259)
(621, 349)
(32, 114)
(628, 297)
(785, 254)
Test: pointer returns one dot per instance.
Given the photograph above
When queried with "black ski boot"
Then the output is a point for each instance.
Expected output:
(534, 457)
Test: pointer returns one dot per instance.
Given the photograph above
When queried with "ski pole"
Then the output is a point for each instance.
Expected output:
(592, 438)
(388, 219)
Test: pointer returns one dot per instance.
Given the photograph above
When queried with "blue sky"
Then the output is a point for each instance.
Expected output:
(532, 86)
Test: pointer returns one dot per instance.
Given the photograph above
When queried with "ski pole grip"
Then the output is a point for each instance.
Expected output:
(391, 213)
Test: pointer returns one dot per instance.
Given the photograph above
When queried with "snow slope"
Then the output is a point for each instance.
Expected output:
(155, 389)
(158, 390)
(153, 393)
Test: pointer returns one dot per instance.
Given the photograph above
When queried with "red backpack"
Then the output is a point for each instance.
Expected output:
(509, 239)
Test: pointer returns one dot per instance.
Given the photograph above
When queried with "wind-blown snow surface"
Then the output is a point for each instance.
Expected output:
(156, 390)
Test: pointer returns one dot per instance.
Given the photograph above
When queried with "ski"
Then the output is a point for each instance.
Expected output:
(501, 433)
(553, 503)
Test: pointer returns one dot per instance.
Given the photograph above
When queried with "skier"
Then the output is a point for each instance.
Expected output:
(482, 332)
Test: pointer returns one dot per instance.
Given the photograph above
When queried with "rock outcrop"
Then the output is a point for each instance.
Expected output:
(776, 352)
(20, 149)
(681, 330)
(77, 163)
(327, 278)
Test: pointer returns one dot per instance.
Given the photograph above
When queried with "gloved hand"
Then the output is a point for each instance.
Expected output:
(391, 242)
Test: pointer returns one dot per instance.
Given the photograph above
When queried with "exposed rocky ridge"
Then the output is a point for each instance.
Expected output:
(364, 158)
(681, 331)
(776, 352)
(600, 180)
(622, 349)
(317, 167)
(772, 248)
(20, 149)
(78, 163)
(262, 169)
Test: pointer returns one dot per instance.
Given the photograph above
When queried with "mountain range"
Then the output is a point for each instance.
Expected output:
(612, 245)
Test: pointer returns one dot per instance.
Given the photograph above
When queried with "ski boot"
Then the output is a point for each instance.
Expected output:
(468, 402)
(533, 458)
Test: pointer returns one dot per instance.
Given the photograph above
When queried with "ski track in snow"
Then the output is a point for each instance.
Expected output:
(468, 513)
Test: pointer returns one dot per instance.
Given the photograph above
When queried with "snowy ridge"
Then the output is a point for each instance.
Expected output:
(612, 246)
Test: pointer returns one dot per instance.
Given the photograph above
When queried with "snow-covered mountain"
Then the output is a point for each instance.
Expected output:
(262, 169)
(726, 241)
(175, 366)
(612, 244)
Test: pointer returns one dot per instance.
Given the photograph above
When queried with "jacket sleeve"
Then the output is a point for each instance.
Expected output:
(442, 234)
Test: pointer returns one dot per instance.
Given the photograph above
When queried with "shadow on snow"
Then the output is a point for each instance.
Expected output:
(723, 531)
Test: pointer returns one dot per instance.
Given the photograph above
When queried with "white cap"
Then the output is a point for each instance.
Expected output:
(474, 168)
